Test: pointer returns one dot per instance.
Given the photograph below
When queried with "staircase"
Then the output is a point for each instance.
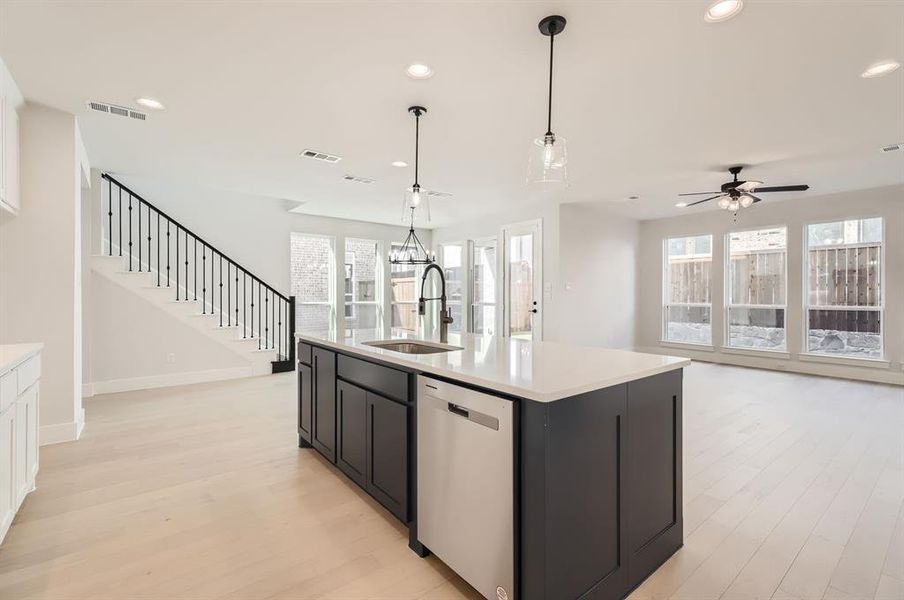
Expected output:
(157, 257)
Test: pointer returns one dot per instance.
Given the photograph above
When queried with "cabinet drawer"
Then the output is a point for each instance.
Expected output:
(386, 381)
(304, 353)
(29, 372)
(9, 389)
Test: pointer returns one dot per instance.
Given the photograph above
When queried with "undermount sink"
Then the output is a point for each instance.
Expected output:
(411, 347)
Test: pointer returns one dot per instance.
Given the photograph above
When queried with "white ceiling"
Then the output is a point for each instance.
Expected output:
(653, 100)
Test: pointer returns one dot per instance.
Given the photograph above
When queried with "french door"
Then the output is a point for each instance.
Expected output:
(522, 260)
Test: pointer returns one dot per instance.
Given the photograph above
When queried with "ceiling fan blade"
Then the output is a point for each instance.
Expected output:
(783, 188)
(699, 193)
(749, 186)
(704, 200)
(755, 199)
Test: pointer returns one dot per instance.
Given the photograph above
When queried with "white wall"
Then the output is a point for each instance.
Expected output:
(598, 277)
(887, 202)
(40, 295)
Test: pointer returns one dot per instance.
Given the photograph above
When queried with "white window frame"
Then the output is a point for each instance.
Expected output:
(474, 244)
(378, 283)
(805, 353)
(666, 301)
(505, 234)
(466, 278)
(728, 305)
(331, 283)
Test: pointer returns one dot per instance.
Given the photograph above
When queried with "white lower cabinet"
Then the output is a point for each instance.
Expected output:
(18, 438)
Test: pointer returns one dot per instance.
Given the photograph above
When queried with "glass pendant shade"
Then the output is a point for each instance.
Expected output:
(415, 205)
(548, 160)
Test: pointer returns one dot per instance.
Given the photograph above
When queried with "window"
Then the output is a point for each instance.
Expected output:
(687, 298)
(483, 287)
(452, 260)
(404, 281)
(757, 281)
(312, 281)
(362, 272)
(844, 288)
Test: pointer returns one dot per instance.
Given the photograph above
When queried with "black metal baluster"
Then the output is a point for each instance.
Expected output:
(110, 217)
(130, 232)
(221, 290)
(279, 329)
(158, 249)
(236, 295)
(167, 253)
(228, 296)
(204, 279)
(251, 287)
(195, 284)
(185, 297)
(266, 322)
(177, 263)
(244, 305)
(120, 220)
(149, 238)
(259, 315)
(139, 236)
(212, 260)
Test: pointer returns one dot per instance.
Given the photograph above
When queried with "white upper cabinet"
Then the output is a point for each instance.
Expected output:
(10, 102)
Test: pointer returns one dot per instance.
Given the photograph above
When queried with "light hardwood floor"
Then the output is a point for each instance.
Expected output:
(794, 488)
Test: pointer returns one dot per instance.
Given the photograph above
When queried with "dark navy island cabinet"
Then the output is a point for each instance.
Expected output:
(598, 475)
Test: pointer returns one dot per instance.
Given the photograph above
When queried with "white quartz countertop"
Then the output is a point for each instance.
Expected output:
(12, 355)
(541, 371)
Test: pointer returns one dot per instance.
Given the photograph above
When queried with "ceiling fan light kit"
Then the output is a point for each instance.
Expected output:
(548, 153)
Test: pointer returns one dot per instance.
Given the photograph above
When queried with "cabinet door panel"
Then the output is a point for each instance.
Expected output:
(324, 433)
(305, 402)
(351, 441)
(655, 523)
(387, 461)
(7, 466)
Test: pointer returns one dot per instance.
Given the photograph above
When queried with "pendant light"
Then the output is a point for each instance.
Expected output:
(548, 153)
(412, 251)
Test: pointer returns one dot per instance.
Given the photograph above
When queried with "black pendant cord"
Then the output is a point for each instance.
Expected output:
(417, 138)
(552, 39)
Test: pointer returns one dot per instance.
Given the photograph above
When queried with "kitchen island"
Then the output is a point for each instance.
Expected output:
(546, 470)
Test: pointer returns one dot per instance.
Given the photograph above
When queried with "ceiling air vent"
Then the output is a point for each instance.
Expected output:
(893, 148)
(119, 111)
(330, 158)
(435, 194)
(358, 179)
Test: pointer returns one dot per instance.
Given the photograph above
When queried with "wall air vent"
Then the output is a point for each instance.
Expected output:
(358, 179)
(119, 111)
(316, 155)
(893, 147)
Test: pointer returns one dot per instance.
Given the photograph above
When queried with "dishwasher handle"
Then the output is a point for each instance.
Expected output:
(474, 416)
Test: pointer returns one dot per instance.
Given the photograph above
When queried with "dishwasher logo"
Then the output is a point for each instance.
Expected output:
(501, 594)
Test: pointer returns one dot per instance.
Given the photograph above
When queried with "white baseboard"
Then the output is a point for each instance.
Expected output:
(792, 365)
(60, 432)
(170, 379)
(87, 390)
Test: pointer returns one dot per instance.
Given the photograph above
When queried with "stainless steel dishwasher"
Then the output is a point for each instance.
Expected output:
(465, 484)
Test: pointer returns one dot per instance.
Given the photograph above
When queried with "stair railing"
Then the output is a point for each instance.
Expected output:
(196, 271)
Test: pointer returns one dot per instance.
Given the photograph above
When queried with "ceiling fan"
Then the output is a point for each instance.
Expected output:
(735, 195)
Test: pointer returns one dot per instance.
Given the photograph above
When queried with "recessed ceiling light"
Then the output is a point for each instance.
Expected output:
(722, 10)
(419, 71)
(681, 204)
(399, 163)
(150, 103)
(883, 67)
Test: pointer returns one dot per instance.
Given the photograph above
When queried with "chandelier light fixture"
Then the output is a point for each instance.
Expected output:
(412, 251)
(548, 153)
